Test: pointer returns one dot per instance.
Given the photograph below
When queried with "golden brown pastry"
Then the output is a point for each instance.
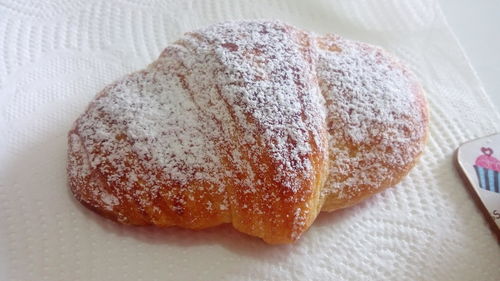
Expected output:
(253, 123)
(377, 119)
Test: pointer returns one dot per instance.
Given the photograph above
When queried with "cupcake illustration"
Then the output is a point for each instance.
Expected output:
(488, 170)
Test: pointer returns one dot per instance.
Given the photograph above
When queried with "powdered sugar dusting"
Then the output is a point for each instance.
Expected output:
(209, 109)
(242, 109)
(272, 91)
(376, 122)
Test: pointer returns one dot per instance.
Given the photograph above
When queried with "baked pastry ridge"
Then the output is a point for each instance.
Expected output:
(377, 119)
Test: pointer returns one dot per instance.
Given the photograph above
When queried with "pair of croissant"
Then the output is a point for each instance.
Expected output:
(254, 123)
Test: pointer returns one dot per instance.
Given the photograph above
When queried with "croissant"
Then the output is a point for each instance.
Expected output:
(254, 123)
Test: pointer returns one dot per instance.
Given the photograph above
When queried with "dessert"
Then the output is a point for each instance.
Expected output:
(253, 123)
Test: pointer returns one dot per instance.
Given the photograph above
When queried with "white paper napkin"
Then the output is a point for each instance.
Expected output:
(56, 55)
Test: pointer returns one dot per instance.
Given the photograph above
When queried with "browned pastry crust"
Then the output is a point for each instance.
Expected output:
(377, 119)
(247, 123)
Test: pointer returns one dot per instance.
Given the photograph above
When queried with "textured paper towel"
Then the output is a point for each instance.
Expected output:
(55, 55)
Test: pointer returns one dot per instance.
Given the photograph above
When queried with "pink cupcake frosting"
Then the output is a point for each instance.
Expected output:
(487, 161)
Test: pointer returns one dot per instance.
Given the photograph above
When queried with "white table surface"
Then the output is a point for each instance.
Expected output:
(476, 24)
